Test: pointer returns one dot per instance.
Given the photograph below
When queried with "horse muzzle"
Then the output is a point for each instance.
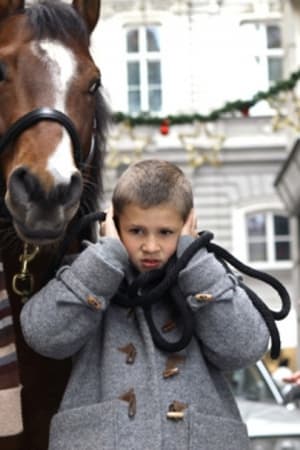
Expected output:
(41, 217)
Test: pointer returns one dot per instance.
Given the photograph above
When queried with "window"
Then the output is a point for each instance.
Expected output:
(250, 384)
(274, 52)
(143, 69)
(268, 237)
(264, 46)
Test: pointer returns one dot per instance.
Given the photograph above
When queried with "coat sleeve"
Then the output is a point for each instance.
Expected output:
(60, 318)
(232, 332)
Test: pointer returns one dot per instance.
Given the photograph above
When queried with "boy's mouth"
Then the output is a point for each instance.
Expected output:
(150, 263)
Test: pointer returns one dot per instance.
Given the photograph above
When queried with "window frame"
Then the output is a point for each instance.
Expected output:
(270, 238)
(142, 57)
(240, 237)
(262, 51)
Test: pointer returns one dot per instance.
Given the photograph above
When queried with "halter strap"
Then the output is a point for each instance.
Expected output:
(37, 115)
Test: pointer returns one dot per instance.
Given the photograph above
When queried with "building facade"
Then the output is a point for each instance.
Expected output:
(287, 181)
(191, 60)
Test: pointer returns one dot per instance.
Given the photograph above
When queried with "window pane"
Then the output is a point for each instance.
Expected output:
(256, 225)
(153, 44)
(282, 251)
(134, 101)
(154, 76)
(133, 73)
(132, 41)
(274, 36)
(275, 68)
(257, 251)
(281, 226)
(248, 384)
(155, 99)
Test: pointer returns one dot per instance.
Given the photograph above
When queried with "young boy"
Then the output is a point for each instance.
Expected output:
(124, 391)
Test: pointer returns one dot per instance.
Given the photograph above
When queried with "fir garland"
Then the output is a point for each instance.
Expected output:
(241, 106)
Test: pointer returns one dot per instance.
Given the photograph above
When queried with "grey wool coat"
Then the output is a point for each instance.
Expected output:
(126, 394)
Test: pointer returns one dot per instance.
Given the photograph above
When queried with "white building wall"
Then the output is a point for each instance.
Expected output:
(291, 34)
(207, 56)
(208, 59)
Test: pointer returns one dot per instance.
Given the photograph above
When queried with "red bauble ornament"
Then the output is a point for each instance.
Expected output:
(245, 111)
(164, 127)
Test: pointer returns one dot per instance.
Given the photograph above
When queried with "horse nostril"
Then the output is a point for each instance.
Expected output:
(23, 185)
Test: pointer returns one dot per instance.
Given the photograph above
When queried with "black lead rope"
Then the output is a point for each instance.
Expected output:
(75, 230)
(159, 285)
(221, 253)
(268, 314)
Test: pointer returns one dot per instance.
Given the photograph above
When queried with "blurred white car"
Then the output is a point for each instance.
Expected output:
(271, 415)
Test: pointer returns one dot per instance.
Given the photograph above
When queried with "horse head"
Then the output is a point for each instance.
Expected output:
(52, 116)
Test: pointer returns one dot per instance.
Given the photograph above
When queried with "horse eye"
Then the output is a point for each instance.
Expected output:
(95, 86)
(2, 72)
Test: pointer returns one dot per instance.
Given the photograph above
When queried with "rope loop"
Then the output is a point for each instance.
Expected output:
(150, 288)
(153, 287)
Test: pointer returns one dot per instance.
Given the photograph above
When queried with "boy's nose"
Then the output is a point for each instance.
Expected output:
(150, 245)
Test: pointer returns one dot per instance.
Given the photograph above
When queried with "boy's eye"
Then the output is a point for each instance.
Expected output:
(166, 232)
(135, 230)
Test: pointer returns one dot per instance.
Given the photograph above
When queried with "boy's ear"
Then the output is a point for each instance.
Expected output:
(116, 222)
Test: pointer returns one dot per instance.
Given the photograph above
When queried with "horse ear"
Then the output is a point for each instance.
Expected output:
(10, 6)
(89, 10)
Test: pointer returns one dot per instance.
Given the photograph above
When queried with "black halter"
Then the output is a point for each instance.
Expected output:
(32, 118)
(37, 115)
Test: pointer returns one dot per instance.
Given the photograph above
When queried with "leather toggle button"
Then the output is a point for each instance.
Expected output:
(176, 410)
(130, 397)
(94, 302)
(130, 351)
(172, 365)
(170, 372)
(202, 297)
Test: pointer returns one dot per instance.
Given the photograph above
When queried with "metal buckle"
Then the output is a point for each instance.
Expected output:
(23, 282)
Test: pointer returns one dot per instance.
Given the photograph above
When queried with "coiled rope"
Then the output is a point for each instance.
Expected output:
(160, 285)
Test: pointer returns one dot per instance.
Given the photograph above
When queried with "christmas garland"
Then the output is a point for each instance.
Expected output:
(241, 106)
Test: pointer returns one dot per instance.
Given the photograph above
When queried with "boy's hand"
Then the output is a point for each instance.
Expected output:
(294, 378)
(190, 226)
(108, 227)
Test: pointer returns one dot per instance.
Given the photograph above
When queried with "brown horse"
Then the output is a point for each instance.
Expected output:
(52, 135)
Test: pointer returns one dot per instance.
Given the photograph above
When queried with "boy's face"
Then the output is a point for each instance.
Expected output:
(150, 235)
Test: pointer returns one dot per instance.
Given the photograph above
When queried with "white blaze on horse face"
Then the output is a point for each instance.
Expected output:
(61, 63)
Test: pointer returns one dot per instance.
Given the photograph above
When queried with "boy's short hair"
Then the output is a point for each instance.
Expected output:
(150, 183)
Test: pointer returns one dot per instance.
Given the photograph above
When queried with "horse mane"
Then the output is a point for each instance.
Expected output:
(53, 19)
(93, 185)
